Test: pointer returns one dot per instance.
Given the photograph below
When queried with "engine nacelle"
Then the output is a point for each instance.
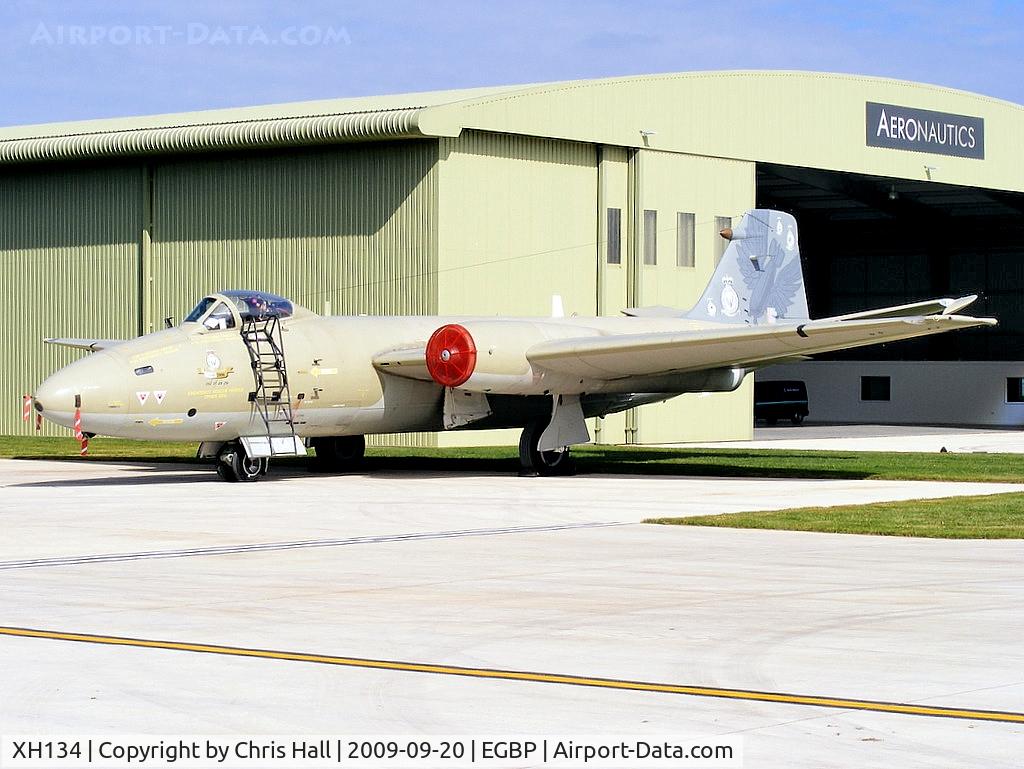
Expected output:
(490, 357)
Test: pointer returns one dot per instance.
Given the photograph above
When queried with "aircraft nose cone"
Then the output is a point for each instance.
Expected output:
(56, 394)
(86, 381)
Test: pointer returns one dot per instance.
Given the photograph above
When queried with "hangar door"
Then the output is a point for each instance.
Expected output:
(659, 216)
(870, 241)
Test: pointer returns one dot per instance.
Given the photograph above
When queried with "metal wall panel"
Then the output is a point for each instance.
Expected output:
(69, 250)
(518, 223)
(112, 250)
(349, 230)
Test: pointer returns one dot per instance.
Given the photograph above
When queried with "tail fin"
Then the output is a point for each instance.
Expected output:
(759, 279)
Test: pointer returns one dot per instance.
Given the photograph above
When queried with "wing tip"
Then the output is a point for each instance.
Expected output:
(953, 305)
(957, 320)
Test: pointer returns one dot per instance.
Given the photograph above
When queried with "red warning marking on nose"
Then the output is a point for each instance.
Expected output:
(451, 355)
(79, 435)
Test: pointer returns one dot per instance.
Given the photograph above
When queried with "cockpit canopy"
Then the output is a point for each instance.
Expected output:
(228, 308)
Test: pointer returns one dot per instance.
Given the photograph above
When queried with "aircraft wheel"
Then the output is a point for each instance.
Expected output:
(339, 454)
(234, 465)
(536, 462)
(249, 468)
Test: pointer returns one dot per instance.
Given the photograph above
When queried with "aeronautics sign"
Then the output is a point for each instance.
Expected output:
(922, 130)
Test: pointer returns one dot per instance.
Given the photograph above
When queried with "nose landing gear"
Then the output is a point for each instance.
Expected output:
(233, 464)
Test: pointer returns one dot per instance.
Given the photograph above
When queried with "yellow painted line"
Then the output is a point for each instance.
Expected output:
(518, 675)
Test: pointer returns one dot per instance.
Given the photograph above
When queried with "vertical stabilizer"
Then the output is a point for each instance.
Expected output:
(760, 279)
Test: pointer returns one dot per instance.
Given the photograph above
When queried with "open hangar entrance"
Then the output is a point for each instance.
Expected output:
(872, 241)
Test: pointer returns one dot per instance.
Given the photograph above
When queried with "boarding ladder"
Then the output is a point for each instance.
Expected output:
(271, 398)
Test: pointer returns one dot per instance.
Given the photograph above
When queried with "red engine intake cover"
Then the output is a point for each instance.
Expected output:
(451, 355)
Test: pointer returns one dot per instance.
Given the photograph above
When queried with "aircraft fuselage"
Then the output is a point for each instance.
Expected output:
(191, 383)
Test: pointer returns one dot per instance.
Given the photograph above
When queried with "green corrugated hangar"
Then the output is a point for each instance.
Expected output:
(609, 193)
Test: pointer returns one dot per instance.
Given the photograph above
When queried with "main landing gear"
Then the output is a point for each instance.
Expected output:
(339, 454)
(233, 464)
(533, 461)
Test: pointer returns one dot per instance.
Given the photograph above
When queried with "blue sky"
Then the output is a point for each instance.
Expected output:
(102, 58)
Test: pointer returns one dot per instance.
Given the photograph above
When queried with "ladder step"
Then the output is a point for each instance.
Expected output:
(272, 399)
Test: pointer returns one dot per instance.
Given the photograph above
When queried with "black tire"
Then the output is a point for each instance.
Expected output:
(796, 419)
(225, 473)
(341, 454)
(534, 461)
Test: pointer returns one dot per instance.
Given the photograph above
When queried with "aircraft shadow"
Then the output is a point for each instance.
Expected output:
(160, 476)
(612, 463)
(594, 462)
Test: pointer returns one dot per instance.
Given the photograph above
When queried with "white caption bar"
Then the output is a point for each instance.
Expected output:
(368, 751)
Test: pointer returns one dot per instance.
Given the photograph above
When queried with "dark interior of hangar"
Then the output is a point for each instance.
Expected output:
(870, 241)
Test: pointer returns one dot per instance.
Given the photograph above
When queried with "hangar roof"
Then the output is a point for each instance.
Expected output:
(804, 119)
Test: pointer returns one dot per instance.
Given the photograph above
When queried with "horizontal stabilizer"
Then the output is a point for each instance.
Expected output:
(657, 311)
(92, 345)
(929, 307)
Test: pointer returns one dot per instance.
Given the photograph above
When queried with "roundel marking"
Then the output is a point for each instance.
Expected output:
(730, 301)
(451, 355)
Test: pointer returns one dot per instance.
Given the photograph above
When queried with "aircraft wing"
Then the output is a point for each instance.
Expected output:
(92, 345)
(620, 356)
(949, 306)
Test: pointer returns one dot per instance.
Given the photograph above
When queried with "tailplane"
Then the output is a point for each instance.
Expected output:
(759, 279)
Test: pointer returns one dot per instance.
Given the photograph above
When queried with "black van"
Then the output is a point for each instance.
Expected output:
(780, 400)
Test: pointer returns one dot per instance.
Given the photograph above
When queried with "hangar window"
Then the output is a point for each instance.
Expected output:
(1015, 389)
(721, 223)
(875, 388)
(685, 240)
(614, 236)
(650, 237)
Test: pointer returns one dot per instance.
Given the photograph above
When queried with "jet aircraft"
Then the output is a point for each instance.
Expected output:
(251, 375)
